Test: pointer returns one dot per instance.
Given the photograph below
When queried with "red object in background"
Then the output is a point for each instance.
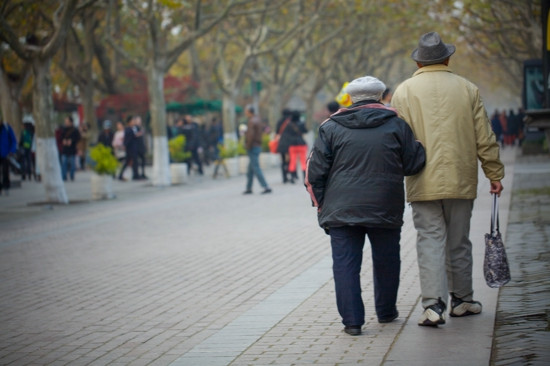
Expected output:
(80, 113)
(137, 102)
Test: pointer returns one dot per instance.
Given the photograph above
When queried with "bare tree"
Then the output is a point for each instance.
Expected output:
(39, 51)
(76, 61)
(502, 32)
(166, 32)
(12, 82)
(258, 32)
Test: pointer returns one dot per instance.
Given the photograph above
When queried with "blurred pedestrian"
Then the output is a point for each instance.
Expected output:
(355, 179)
(333, 107)
(504, 124)
(106, 135)
(447, 115)
(26, 142)
(130, 146)
(253, 143)
(141, 148)
(386, 97)
(82, 145)
(118, 144)
(513, 127)
(496, 126)
(284, 141)
(297, 146)
(192, 143)
(214, 137)
(8, 147)
(69, 140)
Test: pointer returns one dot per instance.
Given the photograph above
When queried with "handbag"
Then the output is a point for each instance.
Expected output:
(495, 264)
(274, 144)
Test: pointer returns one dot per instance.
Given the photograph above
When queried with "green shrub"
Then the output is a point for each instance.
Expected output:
(265, 142)
(231, 148)
(103, 160)
(176, 146)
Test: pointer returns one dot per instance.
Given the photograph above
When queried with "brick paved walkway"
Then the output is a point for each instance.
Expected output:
(191, 275)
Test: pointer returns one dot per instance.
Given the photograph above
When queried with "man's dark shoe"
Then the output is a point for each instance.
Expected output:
(433, 315)
(353, 330)
(248, 191)
(267, 190)
(388, 319)
(460, 307)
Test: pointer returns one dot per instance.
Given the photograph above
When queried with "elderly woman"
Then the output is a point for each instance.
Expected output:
(355, 177)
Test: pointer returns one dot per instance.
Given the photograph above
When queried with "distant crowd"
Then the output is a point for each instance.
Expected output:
(508, 127)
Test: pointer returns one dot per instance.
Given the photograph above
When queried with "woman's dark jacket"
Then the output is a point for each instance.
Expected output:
(291, 135)
(72, 134)
(357, 166)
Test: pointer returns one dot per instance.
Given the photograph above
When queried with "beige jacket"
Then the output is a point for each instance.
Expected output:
(447, 115)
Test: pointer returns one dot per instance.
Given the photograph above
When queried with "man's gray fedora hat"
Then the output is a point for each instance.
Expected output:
(431, 49)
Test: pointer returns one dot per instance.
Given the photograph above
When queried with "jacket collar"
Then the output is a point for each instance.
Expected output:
(432, 68)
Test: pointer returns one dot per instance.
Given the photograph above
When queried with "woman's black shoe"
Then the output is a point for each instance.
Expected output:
(353, 330)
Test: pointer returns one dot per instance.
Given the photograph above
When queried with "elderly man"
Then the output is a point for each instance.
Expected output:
(446, 113)
(355, 177)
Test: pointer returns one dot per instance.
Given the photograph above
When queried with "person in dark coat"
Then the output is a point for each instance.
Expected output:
(8, 147)
(298, 146)
(284, 142)
(141, 149)
(130, 145)
(106, 135)
(192, 143)
(69, 139)
(495, 125)
(355, 178)
(26, 142)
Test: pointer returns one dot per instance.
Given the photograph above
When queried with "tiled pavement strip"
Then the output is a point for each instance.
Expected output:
(161, 276)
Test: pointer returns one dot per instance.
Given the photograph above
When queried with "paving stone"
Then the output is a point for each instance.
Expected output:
(158, 274)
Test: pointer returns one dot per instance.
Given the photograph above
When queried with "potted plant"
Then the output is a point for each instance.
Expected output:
(235, 156)
(104, 165)
(178, 157)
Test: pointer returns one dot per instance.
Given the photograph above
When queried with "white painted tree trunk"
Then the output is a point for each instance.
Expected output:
(161, 162)
(157, 108)
(229, 115)
(46, 148)
(47, 159)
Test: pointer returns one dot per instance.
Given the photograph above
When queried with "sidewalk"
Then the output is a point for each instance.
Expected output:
(200, 275)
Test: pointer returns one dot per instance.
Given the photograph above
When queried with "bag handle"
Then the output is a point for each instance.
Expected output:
(494, 216)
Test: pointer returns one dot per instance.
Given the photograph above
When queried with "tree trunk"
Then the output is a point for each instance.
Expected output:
(47, 155)
(310, 110)
(275, 105)
(157, 108)
(9, 103)
(229, 115)
(88, 87)
(195, 68)
(89, 110)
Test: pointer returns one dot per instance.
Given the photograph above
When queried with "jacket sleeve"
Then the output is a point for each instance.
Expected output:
(487, 147)
(413, 154)
(318, 168)
(13, 142)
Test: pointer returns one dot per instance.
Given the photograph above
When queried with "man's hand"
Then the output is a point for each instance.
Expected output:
(496, 187)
